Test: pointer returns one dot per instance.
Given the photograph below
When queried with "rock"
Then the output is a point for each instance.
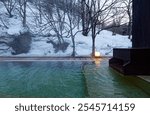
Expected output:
(21, 43)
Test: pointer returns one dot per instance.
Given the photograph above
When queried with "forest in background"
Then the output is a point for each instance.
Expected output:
(61, 19)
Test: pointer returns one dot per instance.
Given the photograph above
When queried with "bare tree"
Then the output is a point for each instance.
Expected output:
(22, 11)
(128, 9)
(38, 4)
(3, 23)
(9, 5)
(100, 12)
(71, 25)
(56, 23)
(64, 20)
(85, 16)
(118, 18)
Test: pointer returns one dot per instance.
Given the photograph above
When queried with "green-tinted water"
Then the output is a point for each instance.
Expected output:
(65, 79)
(102, 81)
(41, 79)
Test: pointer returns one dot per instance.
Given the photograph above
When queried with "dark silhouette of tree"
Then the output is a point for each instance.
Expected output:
(9, 5)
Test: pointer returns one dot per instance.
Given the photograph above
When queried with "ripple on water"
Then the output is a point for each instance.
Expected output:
(103, 82)
(42, 79)
(64, 79)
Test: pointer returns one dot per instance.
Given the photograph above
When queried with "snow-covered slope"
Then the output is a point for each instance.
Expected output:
(105, 42)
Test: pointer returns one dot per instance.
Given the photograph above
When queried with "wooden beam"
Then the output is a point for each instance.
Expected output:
(141, 24)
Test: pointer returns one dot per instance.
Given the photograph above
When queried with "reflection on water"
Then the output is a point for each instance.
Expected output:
(65, 79)
(97, 61)
(102, 81)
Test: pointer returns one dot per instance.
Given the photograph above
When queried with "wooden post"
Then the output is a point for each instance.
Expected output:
(141, 24)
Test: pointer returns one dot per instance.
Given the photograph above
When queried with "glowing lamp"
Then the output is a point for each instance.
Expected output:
(97, 54)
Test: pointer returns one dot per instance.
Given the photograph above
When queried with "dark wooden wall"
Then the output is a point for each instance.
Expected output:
(141, 24)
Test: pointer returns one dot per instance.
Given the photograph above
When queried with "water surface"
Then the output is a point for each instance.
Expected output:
(67, 79)
(42, 79)
(102, 81)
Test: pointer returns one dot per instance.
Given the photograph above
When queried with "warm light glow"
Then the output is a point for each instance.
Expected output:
(97, 54)
(97, 61)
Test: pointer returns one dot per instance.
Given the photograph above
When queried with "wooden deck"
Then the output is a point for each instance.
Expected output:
(146, 78)
(131, 61)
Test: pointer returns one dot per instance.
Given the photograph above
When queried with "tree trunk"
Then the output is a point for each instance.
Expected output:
(74, 51)
(24, 13)
(93, 38)
(130, 21)
(93, 46)
(84, 19)
(40, 11)
(93, 27)
(129, 30)
(10, 14)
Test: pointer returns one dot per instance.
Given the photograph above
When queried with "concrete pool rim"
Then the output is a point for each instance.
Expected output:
(51, 58)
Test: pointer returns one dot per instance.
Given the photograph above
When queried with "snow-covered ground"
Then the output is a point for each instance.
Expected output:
(105, 42)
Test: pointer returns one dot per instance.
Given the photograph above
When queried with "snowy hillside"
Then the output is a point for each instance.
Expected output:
(105, 41)
(104, 44)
